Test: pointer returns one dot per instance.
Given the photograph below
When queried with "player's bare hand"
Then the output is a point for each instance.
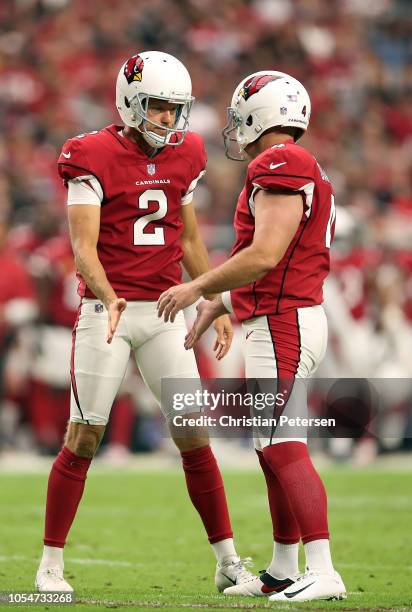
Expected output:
(114, 311)
(205, 317)
(207, 312)
(177, 298)
(224, 331)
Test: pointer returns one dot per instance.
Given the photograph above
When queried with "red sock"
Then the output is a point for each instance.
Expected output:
(206, 490)
(64, 492)
(285, 526)
(294, 469)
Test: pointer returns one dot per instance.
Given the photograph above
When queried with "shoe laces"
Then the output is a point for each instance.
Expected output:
(308, 573)
(243, 574)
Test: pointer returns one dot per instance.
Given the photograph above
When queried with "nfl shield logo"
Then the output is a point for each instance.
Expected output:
(151, 169)
(283, 110)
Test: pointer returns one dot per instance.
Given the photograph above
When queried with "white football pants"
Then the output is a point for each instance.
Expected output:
(283, 349)
(97, 368)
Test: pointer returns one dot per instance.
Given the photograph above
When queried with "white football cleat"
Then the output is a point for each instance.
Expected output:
(50, 579)
(261, 586)
(231, 573)
(313, 585)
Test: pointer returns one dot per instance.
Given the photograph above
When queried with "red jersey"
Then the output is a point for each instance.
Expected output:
(54, 262)
(15, 285)
(22, 241)
(297, 280)
(353, 270)
(141, 223)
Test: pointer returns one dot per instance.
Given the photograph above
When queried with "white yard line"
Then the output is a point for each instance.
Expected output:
(79, 561)
(230, 455)
(118, 563)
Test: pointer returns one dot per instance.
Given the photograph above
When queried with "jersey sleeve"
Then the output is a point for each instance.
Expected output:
(84, 190)
(73, 161)
(78, 175)
(199, 160)
(283, 168)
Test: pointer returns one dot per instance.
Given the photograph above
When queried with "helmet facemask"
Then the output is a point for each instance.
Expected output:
(139, 105)
(230, 135)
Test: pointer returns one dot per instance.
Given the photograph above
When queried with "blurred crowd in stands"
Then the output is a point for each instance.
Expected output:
(58, 64)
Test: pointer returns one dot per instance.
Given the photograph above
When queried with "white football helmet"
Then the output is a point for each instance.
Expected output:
(153, 74)
(261, 101)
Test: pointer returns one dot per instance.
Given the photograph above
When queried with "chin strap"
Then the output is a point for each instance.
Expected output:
(152, 137)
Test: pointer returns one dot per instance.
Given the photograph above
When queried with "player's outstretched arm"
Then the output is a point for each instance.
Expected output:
(195, 257)
(196, 262)
(277, 218)
(84, 224)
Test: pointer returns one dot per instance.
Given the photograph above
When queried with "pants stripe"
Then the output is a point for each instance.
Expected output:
(285, 335)
(72, 375)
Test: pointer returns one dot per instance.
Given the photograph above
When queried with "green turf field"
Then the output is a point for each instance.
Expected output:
(137, 542)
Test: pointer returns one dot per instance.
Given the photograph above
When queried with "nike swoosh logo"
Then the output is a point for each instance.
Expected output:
(291, 595)
(278, 587)
(248, 334)
(272, 166)
(230, 580)
(68, 155)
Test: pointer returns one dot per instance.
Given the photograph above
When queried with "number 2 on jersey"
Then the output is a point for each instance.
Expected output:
(155, 237)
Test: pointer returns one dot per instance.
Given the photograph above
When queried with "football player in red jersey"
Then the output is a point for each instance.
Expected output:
(132, 224)
(284, 224)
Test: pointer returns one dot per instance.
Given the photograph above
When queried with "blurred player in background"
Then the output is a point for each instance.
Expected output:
(18, 309)
(284, 224)
(132, 223)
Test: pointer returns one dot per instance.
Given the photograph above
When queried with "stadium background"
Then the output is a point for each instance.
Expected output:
(58, 64)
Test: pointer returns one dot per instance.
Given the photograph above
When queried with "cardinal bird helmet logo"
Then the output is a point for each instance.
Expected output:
(133, 69)
(255, 84)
